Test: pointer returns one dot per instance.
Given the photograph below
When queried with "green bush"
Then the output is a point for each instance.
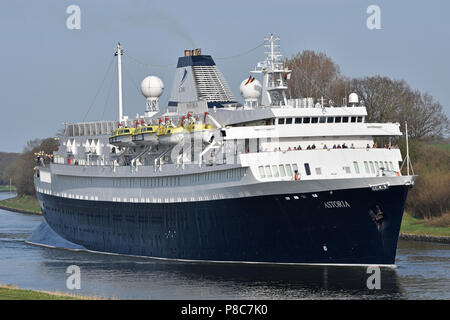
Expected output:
(430, 196)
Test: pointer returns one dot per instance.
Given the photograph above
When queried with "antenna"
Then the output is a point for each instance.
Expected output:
(119, 54)
(407, 159)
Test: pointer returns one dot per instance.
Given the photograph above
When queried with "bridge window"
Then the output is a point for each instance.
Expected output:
(330, 120)
(322, 119)
(359, 119)
(314, 120)
(353, 119)
(288, 120)
(281, 121)
(344, 119)
(306, 120)
(338, 120)
(298, 120)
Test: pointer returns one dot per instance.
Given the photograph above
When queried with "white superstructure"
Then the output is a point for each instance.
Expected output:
(226, 149)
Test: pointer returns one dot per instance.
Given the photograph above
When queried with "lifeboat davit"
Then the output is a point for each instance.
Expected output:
(203, 130)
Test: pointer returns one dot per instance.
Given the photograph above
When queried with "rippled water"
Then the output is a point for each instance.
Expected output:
(423, 273)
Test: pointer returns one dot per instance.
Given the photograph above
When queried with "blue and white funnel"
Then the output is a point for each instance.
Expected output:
(198, 78)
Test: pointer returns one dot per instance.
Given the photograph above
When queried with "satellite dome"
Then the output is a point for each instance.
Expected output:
(353, 98)
(250, 88)
(152, 87)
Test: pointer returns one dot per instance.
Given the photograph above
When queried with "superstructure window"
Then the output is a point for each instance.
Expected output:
(307, 169)
(366, 166)
(391, 167)
(353, 119)
(281, 121)
(261, 172)
(347, 170)
(359, 119)
(288, 120)
(314, 120)
(282, 171)
(268, 172)
(318, 171)
(288, 170)
(355, 165)
(377, 167)
(275, 171)
(298, 120)
(294, 167)
(372, 168)
(330, 120)
(306, 120)
(345, 119)
(337, 120)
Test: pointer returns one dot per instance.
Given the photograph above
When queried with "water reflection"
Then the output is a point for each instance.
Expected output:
(147, 278)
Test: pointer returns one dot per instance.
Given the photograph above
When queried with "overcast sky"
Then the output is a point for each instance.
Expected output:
(51, 74)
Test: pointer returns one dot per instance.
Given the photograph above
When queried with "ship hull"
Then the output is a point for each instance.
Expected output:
(353, 226)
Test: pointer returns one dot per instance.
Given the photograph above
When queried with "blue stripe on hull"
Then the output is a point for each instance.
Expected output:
(257, 229)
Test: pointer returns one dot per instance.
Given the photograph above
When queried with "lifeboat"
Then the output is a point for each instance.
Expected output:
(169, 134)
(146, 136)
(122, 137)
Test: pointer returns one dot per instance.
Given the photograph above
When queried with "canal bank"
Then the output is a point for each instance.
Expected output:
(11, 292)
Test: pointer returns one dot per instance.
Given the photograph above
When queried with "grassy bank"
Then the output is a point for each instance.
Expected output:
(6, 188)
(434, 227)
(24, 203)
(8, 292)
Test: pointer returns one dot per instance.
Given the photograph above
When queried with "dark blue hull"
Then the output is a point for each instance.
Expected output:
(355, 226)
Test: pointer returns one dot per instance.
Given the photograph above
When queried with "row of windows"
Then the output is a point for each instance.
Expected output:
(375, 166)
(289, 170)
(320, 120)
(282, 170)
(230, 174)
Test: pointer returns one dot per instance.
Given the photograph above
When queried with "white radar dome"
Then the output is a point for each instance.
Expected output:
(250, 88)
(353, 98)
(152, 87)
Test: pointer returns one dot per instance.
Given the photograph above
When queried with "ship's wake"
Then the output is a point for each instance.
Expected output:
(44, 236)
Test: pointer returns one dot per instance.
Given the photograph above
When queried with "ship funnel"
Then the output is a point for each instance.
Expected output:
(197, 78)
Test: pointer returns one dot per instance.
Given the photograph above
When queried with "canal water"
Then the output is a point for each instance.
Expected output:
(423, 272)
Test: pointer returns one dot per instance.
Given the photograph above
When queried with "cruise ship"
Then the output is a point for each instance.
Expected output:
(270, 179)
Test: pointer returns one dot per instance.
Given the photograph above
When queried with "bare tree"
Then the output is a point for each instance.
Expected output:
(395, 101)
(313, 75)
